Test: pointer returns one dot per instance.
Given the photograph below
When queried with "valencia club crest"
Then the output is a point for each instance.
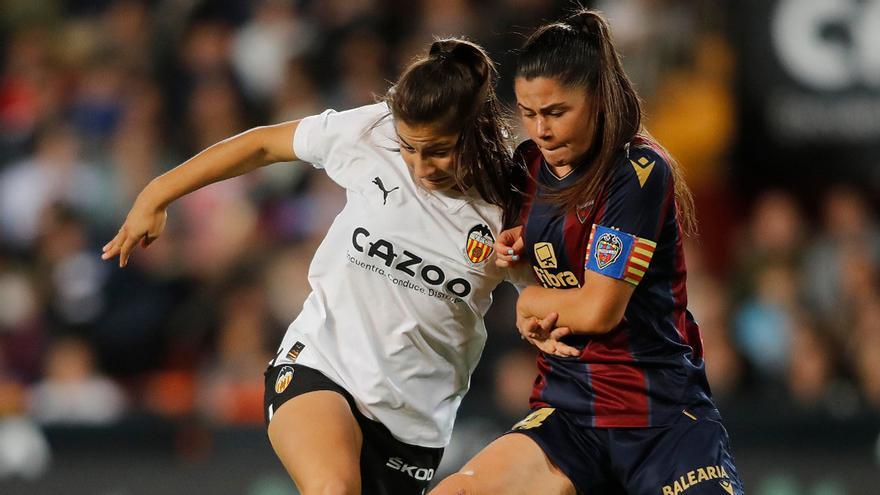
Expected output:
(284, 379)
(480, 244)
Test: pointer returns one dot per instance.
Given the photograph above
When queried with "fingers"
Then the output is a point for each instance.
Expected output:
(565, 350)
(508, 247)
(111, 249)
(505, 255)
(122, 245)
(554, 348)
(545, 336)
(560, 333)
(125, 251)
(518, 244)
(548, 323)
(527, 326)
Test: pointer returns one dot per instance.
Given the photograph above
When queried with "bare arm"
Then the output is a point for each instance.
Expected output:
(232, 157)
(229, 158)
(595, 308)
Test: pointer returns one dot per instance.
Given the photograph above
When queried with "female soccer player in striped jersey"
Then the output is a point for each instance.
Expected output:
(364, 389)
(621, 403)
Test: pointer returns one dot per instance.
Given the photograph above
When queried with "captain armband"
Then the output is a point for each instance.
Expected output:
(618, 255)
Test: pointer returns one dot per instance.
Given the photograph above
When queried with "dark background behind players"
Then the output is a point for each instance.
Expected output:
(149, 380)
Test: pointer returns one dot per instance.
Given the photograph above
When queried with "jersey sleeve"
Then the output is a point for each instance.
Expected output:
(624, 237)
(520, 276)
(325, 140)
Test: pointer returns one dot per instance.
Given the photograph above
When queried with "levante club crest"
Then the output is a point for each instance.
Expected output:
(608, 249)
(479, 244)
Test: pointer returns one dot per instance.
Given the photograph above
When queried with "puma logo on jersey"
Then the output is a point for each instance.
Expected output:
(385, 192)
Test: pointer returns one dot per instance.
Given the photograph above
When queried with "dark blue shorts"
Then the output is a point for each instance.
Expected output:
(690, 457)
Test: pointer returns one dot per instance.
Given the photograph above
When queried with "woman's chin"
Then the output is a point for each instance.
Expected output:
(556, 158)
(442, 185)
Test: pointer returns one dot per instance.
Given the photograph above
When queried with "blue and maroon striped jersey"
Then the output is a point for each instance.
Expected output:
(649, 368)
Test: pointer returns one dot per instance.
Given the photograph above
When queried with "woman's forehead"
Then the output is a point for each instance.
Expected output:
(545, 89)
(424, 134)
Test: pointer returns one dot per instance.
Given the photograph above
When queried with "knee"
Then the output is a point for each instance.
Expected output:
(455, 484)
(333, 487)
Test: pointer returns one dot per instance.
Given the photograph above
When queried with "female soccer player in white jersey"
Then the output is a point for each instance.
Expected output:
(363, 392)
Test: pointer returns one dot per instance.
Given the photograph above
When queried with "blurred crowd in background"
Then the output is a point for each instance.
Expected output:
(98, 97)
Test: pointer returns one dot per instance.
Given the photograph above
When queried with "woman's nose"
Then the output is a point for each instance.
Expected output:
(423, 167)
(542, 129)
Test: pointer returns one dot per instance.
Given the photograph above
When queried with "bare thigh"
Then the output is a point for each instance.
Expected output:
(318, 440)
(513, 465)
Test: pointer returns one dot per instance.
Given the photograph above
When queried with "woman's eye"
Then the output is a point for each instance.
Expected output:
(440, 153)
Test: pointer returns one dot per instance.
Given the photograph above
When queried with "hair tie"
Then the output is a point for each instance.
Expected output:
(443, 55)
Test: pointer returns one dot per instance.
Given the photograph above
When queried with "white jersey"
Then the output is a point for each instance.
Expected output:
(400, 284)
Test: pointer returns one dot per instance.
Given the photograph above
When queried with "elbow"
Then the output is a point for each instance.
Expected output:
(605, 325)
(597, 322)
(260, 139)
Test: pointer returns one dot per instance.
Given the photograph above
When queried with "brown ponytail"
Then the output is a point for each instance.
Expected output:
(579, 52)
(452, 88)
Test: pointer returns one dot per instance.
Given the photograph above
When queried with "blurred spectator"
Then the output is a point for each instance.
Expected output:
(72, 390)
(812, 367)
(774, 236)
(230, 384)
(137, 151)
(24, 451)
(841, 265)
(129, 30)
(54, 173)
(708, 303)
(764, 321)
(298, 95)
(22, 332)
(362, 60)
(865, 353)
(263, 47)
(31, 88)
(70, 275)
(97, 105)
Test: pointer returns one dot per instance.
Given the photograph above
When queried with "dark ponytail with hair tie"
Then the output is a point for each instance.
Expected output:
(452, 90)
(579, 53)
(466, 54)
(587, 22)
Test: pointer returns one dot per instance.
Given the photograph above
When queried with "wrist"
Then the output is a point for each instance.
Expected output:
(150, 198)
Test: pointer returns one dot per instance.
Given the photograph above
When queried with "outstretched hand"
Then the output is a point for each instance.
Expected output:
(545, 335)
(508, 247)
(142, 225)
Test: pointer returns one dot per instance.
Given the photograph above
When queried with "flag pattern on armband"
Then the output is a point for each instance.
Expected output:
(618, 254)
